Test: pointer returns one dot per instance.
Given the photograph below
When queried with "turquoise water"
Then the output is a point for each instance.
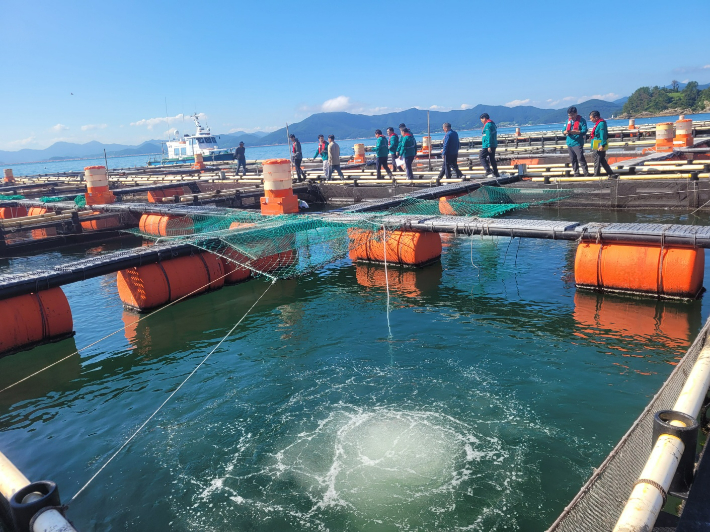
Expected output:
(498, 390)
(309, 148)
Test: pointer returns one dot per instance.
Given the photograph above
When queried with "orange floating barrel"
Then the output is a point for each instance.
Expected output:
(32, 319)
(359, 157)
(199, 162)
(101, 224)
(12, 212)
(664, 136)
(669, 272)
(403, 247)
(97, 192)
(36, 211)
(153, 285)
(8, 176)
(632, 123)
(445, 207)
(683, 133)
(278, 188)
(165, 225)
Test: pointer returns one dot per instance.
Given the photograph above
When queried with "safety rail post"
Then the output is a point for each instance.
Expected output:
(33, 506)
(650, 490)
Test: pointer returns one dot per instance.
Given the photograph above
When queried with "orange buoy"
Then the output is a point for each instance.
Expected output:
(9, 177)
(278, 188)
(97, 191)
(150, 286)
(403, 247)
(683, 133)
(669, 272)
(632, 123)
(199, 162)
(445, 207)
(165, 225)
(36, 318)
(664, 136)
(12, 212)
(101, 224)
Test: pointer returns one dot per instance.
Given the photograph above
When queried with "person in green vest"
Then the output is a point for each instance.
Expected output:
(393, 144)
(489, 143)
(599, 143)
(576, 132)
(407, 149)
(381, 152)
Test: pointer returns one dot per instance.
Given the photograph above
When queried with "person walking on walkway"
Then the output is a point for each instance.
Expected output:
(322, 152)
(239, 155)
(334, 157)
(297, 156)
(599, 142)
(393, 144)
(381, 152)
(489, 143)
(576, 132)
(450, 152)
(407, 149)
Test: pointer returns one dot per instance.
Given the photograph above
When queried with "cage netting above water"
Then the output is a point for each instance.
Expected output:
(292, 245)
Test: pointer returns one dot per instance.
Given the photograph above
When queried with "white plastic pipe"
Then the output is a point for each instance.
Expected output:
(51, 521)
(11, 479)
(646, 501)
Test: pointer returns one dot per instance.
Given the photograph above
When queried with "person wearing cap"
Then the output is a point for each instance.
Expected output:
(296, 156)
(489, 143)
(334, 158)
(599, 142)
(450, 152)
(381, 152)
(322, 152)
(576, 131)
(407, 149)
(393, 142)
(239, 155)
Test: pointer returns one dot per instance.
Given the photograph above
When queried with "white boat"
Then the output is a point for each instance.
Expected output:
(182, 150)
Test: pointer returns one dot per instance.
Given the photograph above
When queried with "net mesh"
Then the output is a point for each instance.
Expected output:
(292, 245)
(9, 197)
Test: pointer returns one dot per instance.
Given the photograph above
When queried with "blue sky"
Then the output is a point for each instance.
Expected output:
(257, 65)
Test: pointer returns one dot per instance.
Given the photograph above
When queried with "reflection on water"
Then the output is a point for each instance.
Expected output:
(407, 282)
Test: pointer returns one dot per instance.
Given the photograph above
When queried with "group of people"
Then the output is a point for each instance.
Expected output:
(400, 150)
(576, 133)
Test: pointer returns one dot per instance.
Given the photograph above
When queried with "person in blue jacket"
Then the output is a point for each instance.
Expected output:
(576, 132)
(407, 149)
(489, 143)
(381, 152)
(599, 142)
(450, 152)
(393, 144)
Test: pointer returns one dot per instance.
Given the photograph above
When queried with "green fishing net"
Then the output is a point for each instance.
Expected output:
(9, 197)
(292, 245)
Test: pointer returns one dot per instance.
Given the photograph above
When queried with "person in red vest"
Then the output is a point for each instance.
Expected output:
(576, 131)
(322, 152)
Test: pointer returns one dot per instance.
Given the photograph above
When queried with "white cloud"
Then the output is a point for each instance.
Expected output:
(435, 107)
(90, 127)
(23, 142)
(253, 129)
(59, 127)
(516, 103)
(341, 103)
(684, 70)
(150, 123)
(608, 96)
(465, 106)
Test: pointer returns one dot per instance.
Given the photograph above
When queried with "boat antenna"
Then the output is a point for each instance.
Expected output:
(288, 146)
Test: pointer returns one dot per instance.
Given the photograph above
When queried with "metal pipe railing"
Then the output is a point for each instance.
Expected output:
(649, 493)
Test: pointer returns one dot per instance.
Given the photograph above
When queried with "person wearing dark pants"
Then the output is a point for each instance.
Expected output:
(576, 131)
(599, 142)
(450, 153)
(334, 158)
(407, 149)
(239, 155)
(393, 143)
(381, 152)
(489, 143)
(297, 156)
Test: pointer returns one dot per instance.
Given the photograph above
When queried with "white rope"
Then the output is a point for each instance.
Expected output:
(387, 281)
(171, 395)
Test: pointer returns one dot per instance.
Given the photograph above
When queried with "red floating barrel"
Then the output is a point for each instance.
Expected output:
(153, 285)
(12, 212)
(670, 272)
(32, 319)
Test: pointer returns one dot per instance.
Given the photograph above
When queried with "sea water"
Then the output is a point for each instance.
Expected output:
(485, 405)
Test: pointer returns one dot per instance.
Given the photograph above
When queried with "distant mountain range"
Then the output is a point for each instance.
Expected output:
(349, 126)
(342, 125)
